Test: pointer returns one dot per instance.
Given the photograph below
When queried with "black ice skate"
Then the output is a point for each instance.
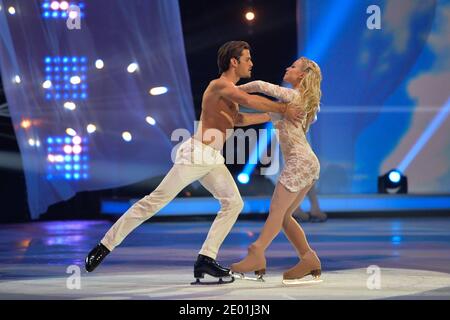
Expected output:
(206, 265)
(95, 257)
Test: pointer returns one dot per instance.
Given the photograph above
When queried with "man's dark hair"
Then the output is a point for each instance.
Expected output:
(231, 49)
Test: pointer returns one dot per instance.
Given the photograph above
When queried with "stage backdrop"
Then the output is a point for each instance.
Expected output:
(385, 92)
(82, 120)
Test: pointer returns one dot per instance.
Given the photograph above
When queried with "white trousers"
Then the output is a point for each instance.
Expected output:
(194, 161)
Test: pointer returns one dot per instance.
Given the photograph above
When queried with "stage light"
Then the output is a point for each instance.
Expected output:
(67, 149)
(70, 105)
(158, 90)
(250, 16)
(31, 142)
(54, 5)
(132, 67)
(150, 120)
(59, 70)
(17, 79)
(73, 14)
(75, 80)
(47, 84)
(12, 10)
(394, 176)
(393, 182)
(243, 178)
(70, 132)
(76, 140)
(65, 159)
(64, 5)
(127, 136)
(99, 64)
(25, 124)
(91, 128)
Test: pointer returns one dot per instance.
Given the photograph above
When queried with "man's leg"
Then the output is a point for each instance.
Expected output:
(222, 186)
(176, 180)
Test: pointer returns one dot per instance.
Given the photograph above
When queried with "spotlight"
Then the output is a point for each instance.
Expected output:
(64, 5)
(12, 10)
(71, 132)
(25, 124)
(250, 16)
(132, 67)
(70, 105)
(99, 64)
(75, 80)
(393, 182)
(76, 140)
(150, 120)
(158, 90)
(126, 136)
(31, 142)
(47, 84)
(73, 15)
(76, 149)
(17, 79)
(243, 178)
(55, 5)
(91, 128)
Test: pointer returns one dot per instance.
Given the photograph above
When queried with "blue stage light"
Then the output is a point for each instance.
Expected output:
(243, 178)
(393, 182)
(394, 176)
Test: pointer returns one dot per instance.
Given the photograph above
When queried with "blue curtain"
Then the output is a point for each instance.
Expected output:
(70, 111)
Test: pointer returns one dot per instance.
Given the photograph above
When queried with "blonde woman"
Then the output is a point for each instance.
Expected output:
(300, 172)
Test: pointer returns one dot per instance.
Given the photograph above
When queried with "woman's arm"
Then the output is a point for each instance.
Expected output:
(281, 93)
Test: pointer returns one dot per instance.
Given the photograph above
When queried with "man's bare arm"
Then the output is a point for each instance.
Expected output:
(248, 119)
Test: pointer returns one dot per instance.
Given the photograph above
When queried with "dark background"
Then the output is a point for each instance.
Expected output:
(206, 26)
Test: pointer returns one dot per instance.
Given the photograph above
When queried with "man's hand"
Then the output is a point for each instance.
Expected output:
(294, 114)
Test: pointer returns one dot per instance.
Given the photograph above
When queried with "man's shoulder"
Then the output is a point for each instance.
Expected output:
(220, 83)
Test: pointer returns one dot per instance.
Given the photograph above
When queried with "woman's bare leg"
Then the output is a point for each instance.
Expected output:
(282, 200)
(255, 260)
(293, 231)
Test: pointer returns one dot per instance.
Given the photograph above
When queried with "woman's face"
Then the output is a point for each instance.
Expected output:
(294, 72)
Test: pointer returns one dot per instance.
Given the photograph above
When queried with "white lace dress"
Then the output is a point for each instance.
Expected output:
(302, 167)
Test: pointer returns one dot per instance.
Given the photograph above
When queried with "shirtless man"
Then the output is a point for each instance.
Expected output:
(200, 158)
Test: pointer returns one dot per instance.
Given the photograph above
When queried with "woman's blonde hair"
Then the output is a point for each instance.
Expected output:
(310, 92)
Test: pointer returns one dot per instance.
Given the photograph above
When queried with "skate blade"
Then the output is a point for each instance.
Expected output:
(301, 281)
(206, 283)
(242, 276)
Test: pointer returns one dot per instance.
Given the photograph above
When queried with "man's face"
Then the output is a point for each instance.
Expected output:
(245, 65)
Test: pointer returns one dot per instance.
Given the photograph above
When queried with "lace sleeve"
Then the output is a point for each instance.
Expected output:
(281, 93)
